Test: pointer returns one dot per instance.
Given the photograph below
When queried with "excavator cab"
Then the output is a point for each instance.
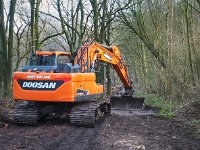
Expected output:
(49, 61)
(49, 58)
(43, 60)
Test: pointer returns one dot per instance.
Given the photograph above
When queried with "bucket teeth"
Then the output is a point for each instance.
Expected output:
(127, 102)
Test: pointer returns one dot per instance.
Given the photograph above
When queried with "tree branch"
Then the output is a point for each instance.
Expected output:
(48, 37)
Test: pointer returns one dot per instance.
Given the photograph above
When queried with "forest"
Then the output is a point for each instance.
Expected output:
(159, 40)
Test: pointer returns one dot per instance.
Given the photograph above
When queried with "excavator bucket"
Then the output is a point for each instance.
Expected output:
(127, 102)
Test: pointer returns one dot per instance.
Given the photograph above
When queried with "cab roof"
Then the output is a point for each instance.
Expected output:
(52, 53)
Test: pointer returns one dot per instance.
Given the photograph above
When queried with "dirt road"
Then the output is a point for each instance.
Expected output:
(116, 132)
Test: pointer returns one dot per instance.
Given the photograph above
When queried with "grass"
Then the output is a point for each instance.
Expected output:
(166, 107)
(195, 123)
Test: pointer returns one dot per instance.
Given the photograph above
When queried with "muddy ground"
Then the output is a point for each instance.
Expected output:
(116, 132)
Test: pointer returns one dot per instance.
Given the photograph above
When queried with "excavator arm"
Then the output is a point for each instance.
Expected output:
(89, 54)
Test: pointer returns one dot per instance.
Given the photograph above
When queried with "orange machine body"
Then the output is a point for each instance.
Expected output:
(55, 87)
(47, 83)
(49, 86)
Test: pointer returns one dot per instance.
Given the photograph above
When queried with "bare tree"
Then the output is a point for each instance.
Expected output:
(7, 46)
(73, 22)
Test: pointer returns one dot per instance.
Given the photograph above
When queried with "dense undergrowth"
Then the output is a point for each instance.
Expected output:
(173, 109)
(165, 106)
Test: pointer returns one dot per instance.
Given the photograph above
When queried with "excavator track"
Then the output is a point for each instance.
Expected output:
(26, 114)
(88, 114)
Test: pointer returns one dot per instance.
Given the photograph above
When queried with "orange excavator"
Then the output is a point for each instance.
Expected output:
(53, 84)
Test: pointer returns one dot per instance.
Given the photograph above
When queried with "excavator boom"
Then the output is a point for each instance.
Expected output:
(89, 54)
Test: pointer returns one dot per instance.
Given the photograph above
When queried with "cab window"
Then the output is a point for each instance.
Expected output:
(63, 59)
(42, 60)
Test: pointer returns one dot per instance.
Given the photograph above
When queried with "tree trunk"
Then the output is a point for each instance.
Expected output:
(69, 39)
(108, 79)
(144, 67)
(198, 1)
(169, 44)
(36, 13)
(4, 49)
(1, 71)
(32, 4)
(10, 43)
(189, 43)
(95, 19)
